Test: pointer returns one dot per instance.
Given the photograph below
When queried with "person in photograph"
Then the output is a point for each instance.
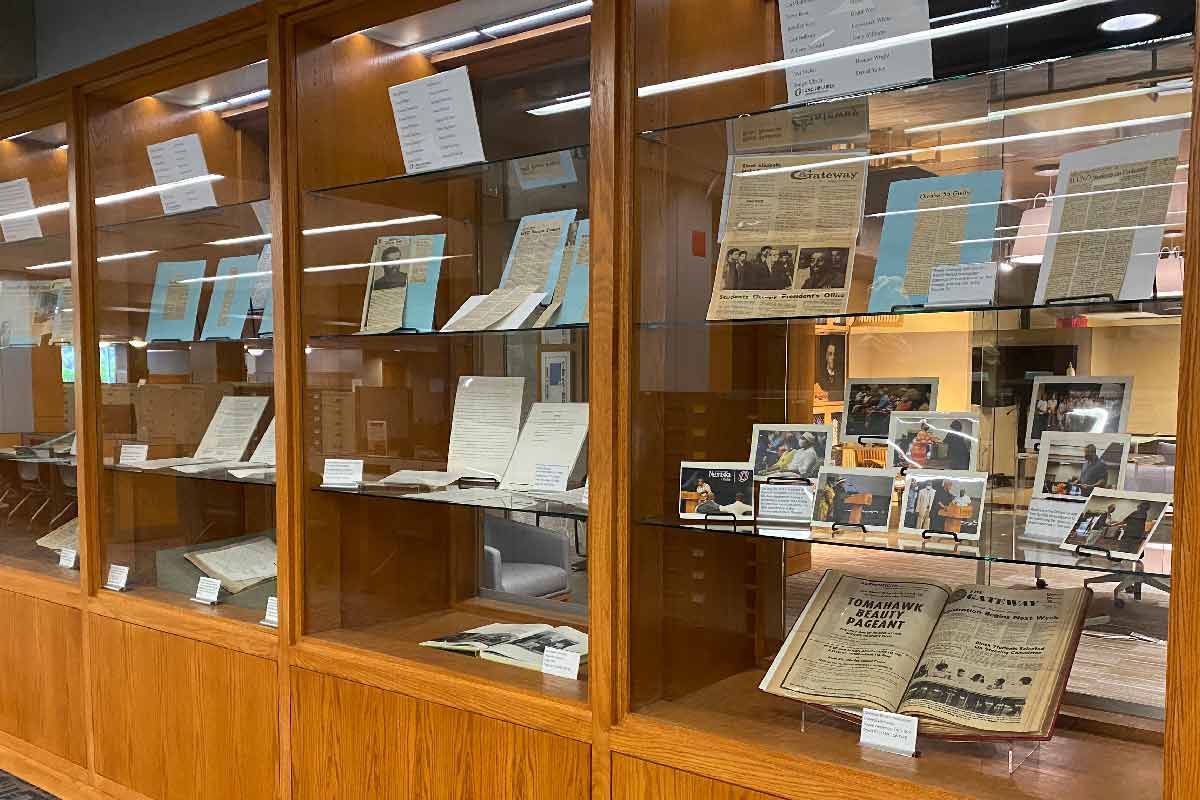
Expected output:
(825, 500)
(941, 670)
(759, 271)
(735, 269)
(921, 447)
(821, 275)
(706, 500)
(394, 276)
(784, 272)
(925, 505)
(1133, 528)
(831, 375)
(963, 500)
(739, 507)
(1099, 524)
(943, 496)
(1095, 472)
(958, 446)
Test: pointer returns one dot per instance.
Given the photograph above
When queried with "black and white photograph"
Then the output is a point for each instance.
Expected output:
(766, 267)
(944, 502)
(1075, 464)
(871, 401)
(1118, 523)
(830, 382)
(853, 496)
(720, 488)
(933, 440)
(791, 451)
(1078, 404)
(821, 267)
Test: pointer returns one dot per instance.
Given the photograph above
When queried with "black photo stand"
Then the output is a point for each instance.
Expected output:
(934, 533)
(842, 527)
(1078, 297)
(722, 515)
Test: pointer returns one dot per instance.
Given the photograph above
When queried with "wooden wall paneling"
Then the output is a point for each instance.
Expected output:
(1182, 738)
(634, 779)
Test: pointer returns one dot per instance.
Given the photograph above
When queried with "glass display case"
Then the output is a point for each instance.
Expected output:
(908, 311)
(38, 510)
(184, 324)
(444, 298)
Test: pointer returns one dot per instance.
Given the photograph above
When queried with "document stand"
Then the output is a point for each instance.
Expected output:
(933, 533)
(780, 480)
(843, 526)
(721, 514)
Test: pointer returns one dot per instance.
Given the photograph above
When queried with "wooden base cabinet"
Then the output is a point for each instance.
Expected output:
(356, 741)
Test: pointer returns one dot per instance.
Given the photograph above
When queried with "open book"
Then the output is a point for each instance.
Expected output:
(518, 645)
(970, 662)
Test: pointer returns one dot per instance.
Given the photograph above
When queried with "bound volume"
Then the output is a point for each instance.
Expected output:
(970, 662)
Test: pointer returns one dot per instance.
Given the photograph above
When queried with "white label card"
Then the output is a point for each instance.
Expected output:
(181, 159)
(893, 733)
(133, 453)
(436, 123)
(1050, 521)
(550, 477)
(562, 663)
(342, 472)
(17, 197)
(962, 284)
(271, 619)
(67, 558)
(118, 576)
(785, 501)
(207, 591)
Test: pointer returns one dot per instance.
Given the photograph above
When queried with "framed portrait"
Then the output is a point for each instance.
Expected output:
(944, 502)
(1077, 404)
(791, 451)
(870, 402)
(708, 488)
(829, 384)
(1075, 464)
(1120, 523)
(933, 440)
(854, 496)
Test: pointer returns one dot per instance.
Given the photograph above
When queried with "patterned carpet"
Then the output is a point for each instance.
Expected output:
(13, 789)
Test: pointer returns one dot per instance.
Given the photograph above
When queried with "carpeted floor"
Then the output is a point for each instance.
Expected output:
(13, 789)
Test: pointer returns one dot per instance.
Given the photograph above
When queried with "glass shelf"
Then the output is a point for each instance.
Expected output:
(220, 476)
(490, 498)
(382, 340)
(25, 253)
(189, 229)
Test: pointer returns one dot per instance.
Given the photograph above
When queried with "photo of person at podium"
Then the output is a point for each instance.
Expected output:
(944, 503)
(848, 497)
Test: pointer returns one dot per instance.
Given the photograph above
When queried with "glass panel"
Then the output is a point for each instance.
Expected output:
(38, 511)
(1059, 394)
(185, 324)
(401, 240)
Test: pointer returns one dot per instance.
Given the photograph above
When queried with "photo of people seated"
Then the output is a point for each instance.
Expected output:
(854, 497)
(1074, 465)
(870, 405)
(1117, 523)
(715, 489)
(1076, 407)
(792, 451)
(933, 441)
(943, 503)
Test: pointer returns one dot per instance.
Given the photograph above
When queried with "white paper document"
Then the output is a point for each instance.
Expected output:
(64, 537)
(15, 197)
(342, 472)
(547, 169)
(231, 428)
(962, 284)
(133, 453)
(435, 119)
(502, 310)
(181, 159)
(893, 733)
(1049, 521)
(818, 26)
(554, 433)
(791, 502)
(239, 566)
(264, 452)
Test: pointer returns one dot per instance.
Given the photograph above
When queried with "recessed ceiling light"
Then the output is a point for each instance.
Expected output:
(1046, 170)
(1129, 22)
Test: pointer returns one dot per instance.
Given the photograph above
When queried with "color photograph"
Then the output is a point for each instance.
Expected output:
(708, 488)
(944, 501)
(852, 496)
(933, 440)
(1120, 523)
(1074, 464)
(1077, 404)
(871, 401)
(791, 451)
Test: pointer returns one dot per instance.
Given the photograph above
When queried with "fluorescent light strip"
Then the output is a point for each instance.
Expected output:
(153, 190)
(261, 237)
(939, 148)
(126, 256)
(996, 116)
(396, 262)
(216, 278)
(932, 34)
(960, 14)
(240, 100)
(34, 212)
(533, 20)
(51, 265)
(1058, 234)
(1049, 199)
(358, 226)
(449, 41)
(16, 136)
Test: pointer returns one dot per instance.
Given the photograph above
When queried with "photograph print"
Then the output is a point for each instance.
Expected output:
(830, 381)
(852, 496)
(933, 440)
(720, 488)
(1078, 404)
(822, 267)
(791, 451)
(1120, 523)
(1075, 464)
(761, 268)
(944, 501)
(870, 402)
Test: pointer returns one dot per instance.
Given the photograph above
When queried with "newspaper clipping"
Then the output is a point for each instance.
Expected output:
(395, 265)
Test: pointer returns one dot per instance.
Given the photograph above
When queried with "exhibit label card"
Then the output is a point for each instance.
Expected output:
(16, 197)
(118, 577)
(537, 251)
(346, 472)
(791, 502)
(68, 558)
(925, 225)
(817, 26)
(962, 284)
(435, 119)
(893, 733)
(133, 453)
(181, 159)
(1050, 520)
(229, 433)
(1104, 240)
(554, 433)
(175, 302)
(556, 376)
(562, 663)
(271, 618)
(551, 477)
(547, 169)
(230, 302)
(207, 591)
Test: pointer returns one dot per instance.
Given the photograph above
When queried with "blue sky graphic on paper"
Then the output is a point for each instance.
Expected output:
(567, 216)
(165, 323)
(232, 293)
(887, 290)
(575, 298)
(420, 298)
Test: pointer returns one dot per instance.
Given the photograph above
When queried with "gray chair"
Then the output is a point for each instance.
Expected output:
(524, 559)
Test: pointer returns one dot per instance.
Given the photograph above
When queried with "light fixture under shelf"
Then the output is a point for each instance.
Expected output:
(1129, 22)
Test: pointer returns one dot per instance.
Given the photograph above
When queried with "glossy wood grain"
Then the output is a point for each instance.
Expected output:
(634, 779)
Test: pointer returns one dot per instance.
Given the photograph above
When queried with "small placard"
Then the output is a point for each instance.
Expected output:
(550, 477)
(271, 619)
(133, 453)
(208, 590)
(785, 501)
(68, 558)
(562, 663)
(893, 733)
(342, 472)
(962, 284)
(118, 576)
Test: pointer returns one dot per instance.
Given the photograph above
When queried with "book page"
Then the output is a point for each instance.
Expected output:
(486, 311)
(527, 651)
(487, 419)
(537, 252)
(996, 659)
(554, 433)
(857, 642)
(228, 434)
(64, 537)
(486, 636)
(264, 452)
(238, 566)
(176, 160)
